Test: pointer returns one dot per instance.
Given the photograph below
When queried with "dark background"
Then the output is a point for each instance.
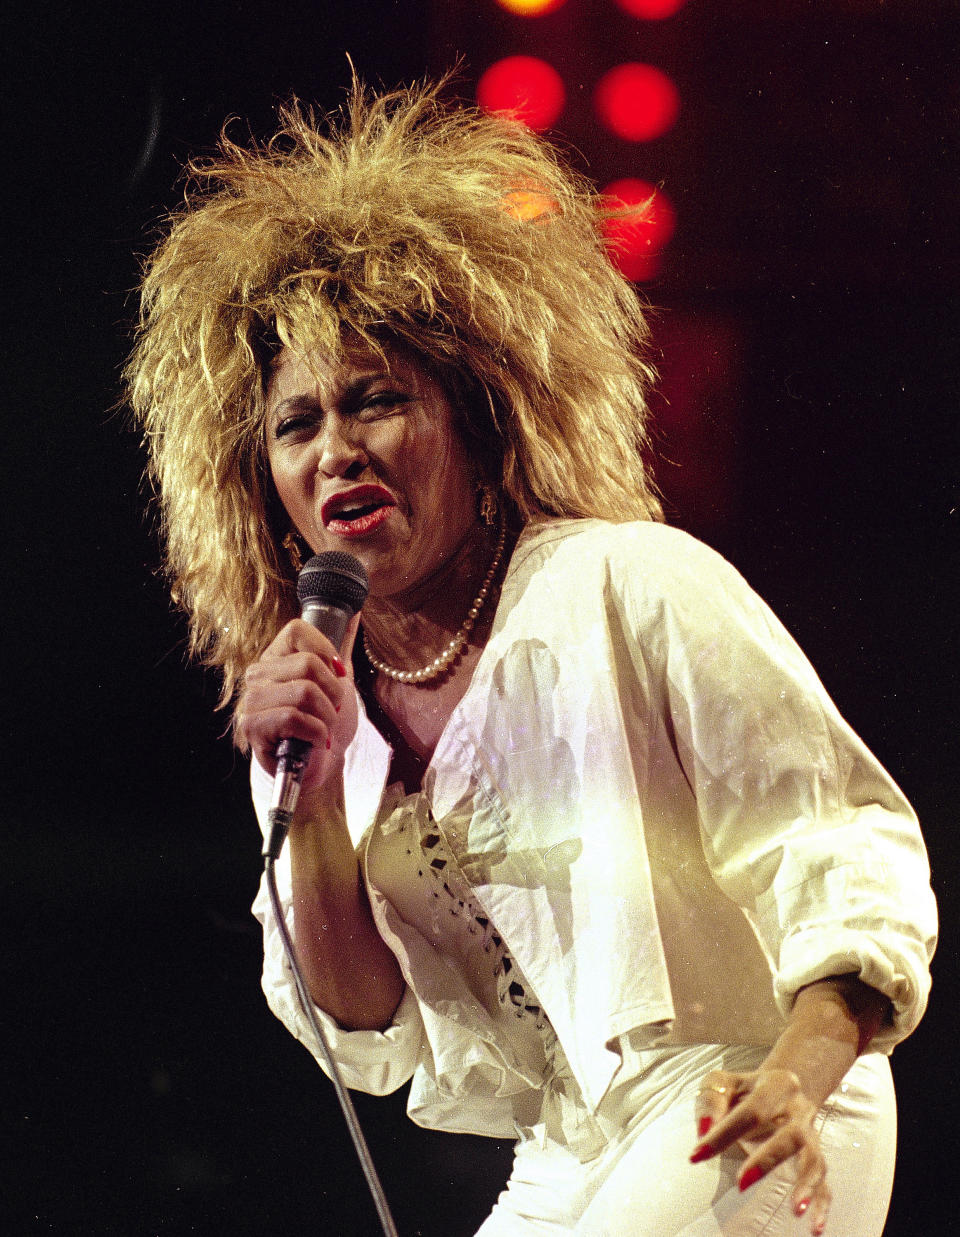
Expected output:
(807, 311)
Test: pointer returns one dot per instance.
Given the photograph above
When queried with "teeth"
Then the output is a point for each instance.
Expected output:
(354, 513)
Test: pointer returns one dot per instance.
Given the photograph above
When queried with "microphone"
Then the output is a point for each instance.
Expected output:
(331, 588)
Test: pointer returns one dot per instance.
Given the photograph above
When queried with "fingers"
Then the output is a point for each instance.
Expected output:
(298, 653)
(811, 1194)
(767, 1113)
(324, 673)
(759, 1103)
(296, 690)
(789, 1140)
(718, 1093)
(298, 636)
(819, 1205)
(262, 730)
(294, 710)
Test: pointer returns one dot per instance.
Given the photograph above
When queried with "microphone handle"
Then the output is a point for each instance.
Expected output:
(292, 757)
(332, 621)
(293, 754)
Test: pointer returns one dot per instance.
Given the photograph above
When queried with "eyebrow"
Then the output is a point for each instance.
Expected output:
(356, 386)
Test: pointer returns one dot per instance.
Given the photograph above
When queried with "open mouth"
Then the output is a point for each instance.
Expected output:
(349, 514)
(357, 511)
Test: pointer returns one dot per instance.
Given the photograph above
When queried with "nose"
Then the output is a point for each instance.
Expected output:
(341, 454)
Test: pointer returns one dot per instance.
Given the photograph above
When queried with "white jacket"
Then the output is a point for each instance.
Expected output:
(661, 810)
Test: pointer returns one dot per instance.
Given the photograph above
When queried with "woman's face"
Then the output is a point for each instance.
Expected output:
(365, 458)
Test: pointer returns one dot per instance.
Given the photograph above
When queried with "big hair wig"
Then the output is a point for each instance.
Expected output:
(400, 218)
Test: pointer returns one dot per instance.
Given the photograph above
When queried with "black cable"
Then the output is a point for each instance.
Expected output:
(343, 1095)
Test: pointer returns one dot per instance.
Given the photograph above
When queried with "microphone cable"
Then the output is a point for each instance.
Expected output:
(343, 1095)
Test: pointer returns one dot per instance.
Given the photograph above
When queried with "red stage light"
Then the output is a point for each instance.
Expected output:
(528, 89)
(637, 102)
(530, 8)
(653, 10)
(637, 238)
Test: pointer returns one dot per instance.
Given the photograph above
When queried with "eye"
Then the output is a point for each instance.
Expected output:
(382, 404)
(294, 425)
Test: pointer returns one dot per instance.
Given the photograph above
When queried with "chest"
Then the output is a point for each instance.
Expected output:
(414, 717)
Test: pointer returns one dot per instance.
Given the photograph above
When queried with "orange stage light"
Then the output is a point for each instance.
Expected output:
(530, 8)
(529, 205)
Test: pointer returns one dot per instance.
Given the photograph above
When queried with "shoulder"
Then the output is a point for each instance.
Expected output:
(661, 588)
(641, 558)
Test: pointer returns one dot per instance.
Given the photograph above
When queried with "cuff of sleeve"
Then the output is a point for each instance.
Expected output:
(261, 791)
(374, 1061)
(821, 953)
(377, 1062)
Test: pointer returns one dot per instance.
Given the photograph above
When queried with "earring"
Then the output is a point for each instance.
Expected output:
(488, 503)
(292, 547)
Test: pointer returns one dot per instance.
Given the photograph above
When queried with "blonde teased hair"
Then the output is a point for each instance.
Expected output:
(457, 234)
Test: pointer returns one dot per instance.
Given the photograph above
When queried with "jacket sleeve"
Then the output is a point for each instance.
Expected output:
(374, 1061)
(800, 824)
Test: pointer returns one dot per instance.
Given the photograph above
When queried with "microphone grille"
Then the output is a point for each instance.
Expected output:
(333, 579)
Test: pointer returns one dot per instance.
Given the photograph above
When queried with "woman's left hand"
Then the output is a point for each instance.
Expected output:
(768, 1114)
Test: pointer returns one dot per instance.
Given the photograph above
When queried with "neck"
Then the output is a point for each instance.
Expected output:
(410, 628)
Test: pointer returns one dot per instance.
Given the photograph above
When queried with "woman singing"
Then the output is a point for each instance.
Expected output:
(583, 847)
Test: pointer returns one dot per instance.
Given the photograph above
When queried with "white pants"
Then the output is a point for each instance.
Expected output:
(642, 1184)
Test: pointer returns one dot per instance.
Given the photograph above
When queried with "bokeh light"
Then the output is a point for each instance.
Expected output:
(637, 101)
(636, 239)
(530, 8)
(525, 88)
(529, 205)
(653, 10)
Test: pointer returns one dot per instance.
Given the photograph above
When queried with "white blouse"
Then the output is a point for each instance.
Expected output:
(409, 863)
(655, 802)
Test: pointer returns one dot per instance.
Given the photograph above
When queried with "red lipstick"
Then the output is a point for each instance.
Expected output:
(356, 511)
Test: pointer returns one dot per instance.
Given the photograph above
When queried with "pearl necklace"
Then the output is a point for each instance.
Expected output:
(444, 660)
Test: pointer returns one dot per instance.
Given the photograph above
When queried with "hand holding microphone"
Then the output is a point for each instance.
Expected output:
(299, 700)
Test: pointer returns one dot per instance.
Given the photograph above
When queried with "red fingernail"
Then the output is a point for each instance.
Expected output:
(701, 1153)
(339, 667)
(328, 743)
(703, 1126)
(751, 1177)
(801, 1207)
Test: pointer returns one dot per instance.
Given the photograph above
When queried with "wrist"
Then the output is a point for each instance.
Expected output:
(321, 803)
(321, 851)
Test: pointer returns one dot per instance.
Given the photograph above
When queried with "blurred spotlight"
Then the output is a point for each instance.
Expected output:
(529, 205)
(637, 238)
(530, 8)
(653, 10)
(637, 101)
(524, 88)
